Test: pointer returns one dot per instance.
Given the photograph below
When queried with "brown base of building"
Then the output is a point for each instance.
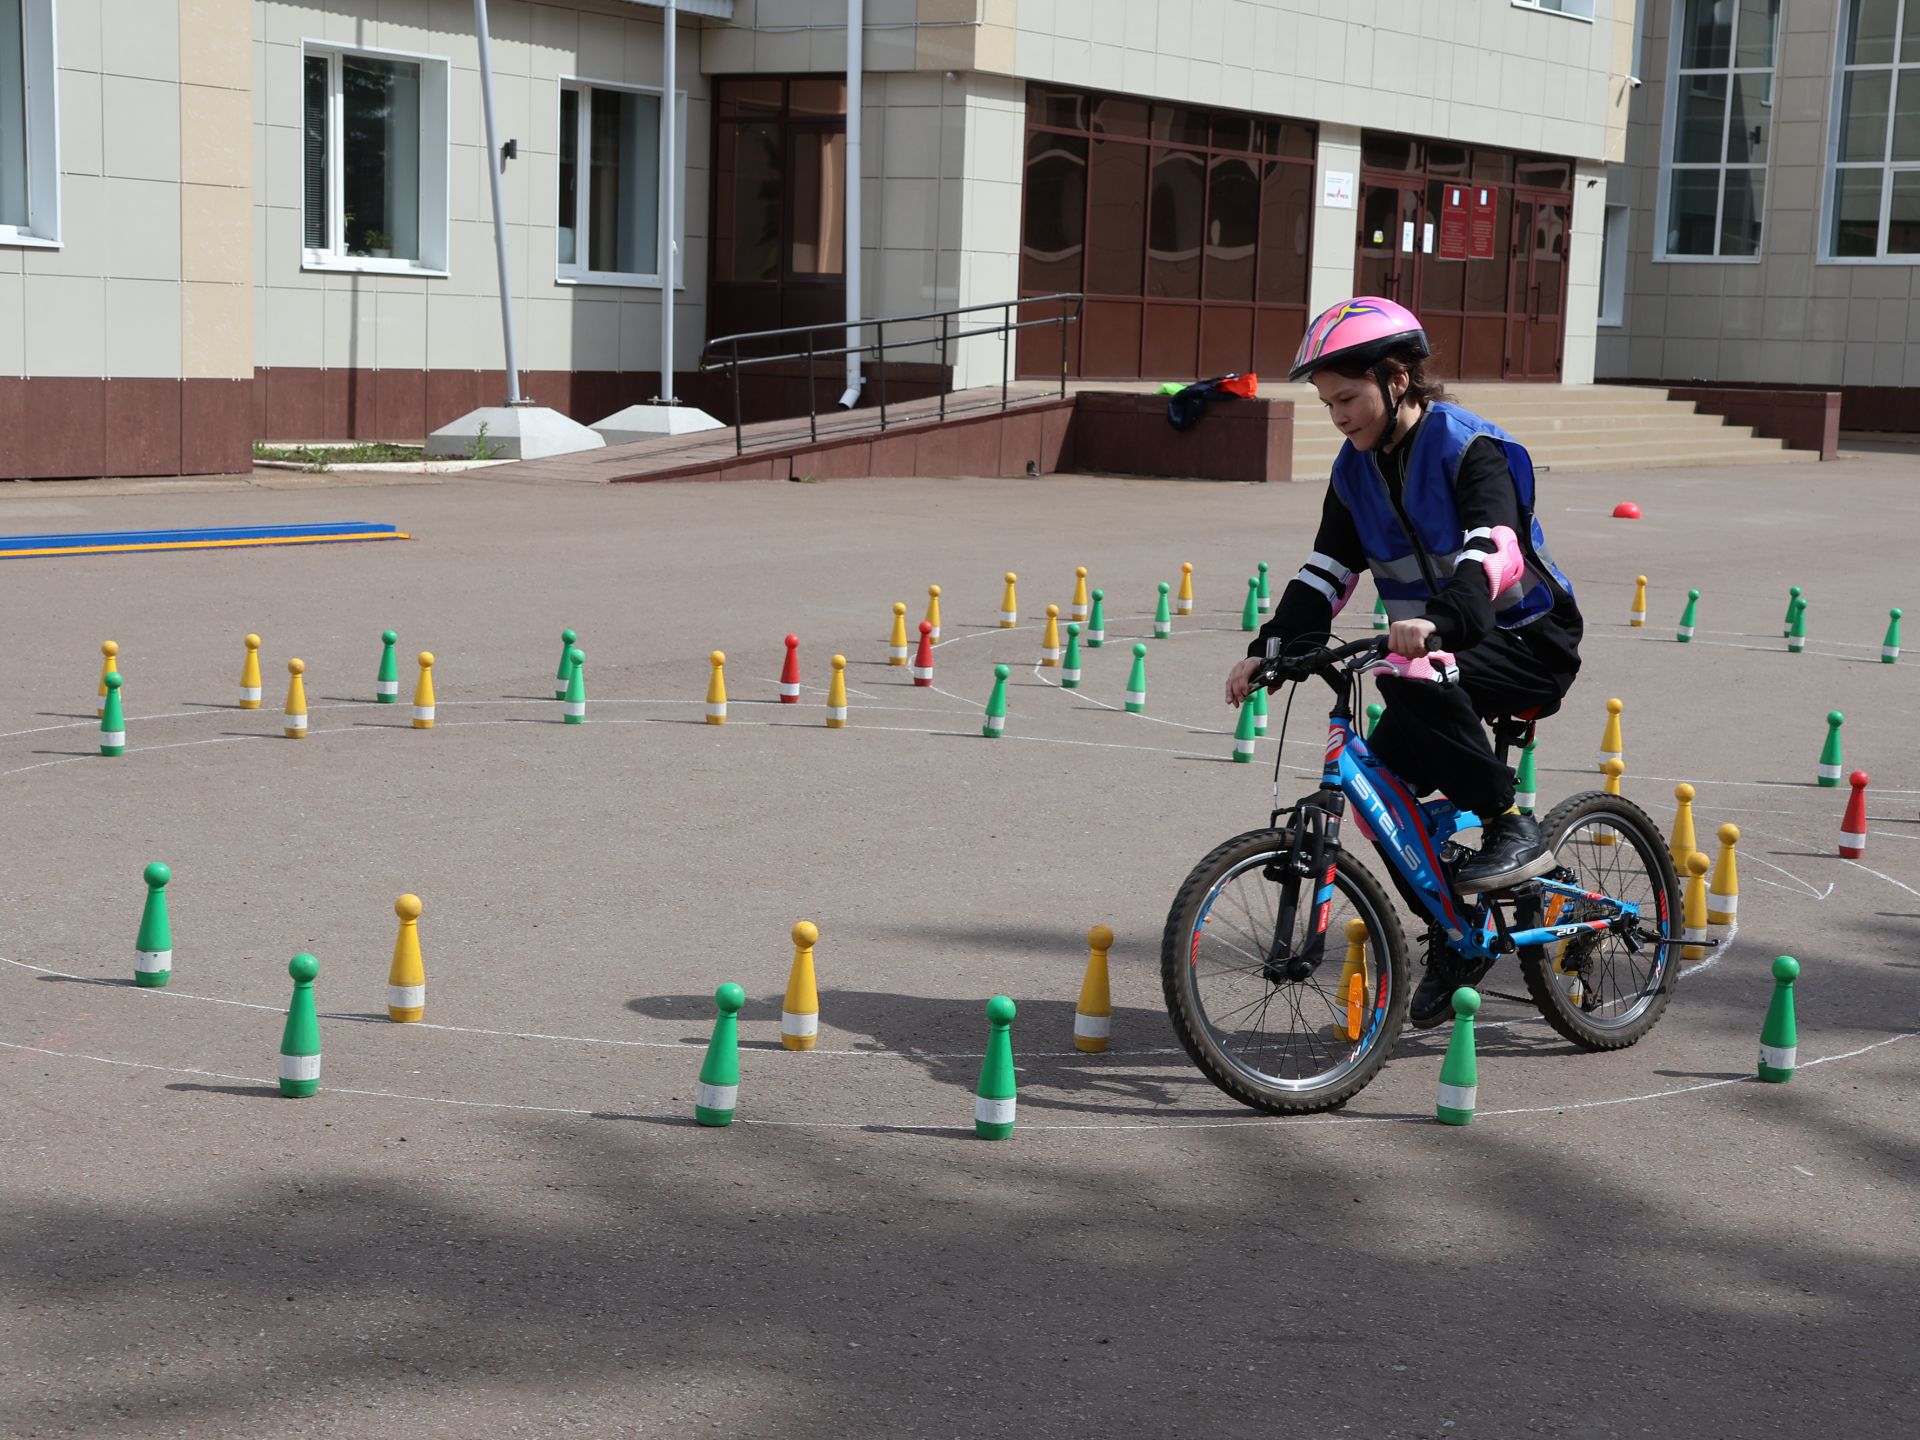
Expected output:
(1894, 408)
(59, 427)
(404, 406)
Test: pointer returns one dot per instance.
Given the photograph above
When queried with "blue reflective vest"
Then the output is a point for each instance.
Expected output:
(1408, 577)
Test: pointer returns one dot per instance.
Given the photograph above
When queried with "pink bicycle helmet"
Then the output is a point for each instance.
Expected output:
(1361, 331)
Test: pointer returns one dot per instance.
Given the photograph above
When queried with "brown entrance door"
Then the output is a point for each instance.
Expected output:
(778, 244)
(1537, 293)
(1390, 242)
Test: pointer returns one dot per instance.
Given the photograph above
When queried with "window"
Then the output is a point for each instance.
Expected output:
(1719, 125)
(375, 180)
(1613, 266)
(1873, 208)
(1572, 9)
(29, 159)
(609, 212)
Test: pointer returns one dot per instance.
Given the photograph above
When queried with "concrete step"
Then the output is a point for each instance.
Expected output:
(1623, 454)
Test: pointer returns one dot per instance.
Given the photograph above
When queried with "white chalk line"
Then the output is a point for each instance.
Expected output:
(877, 1053)
(1233, 1123)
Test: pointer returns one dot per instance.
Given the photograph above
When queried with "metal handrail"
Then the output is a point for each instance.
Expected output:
(734, 362)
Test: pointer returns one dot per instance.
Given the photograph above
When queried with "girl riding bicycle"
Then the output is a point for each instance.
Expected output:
(1438, 504)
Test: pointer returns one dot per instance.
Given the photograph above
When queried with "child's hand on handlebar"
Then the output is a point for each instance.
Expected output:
(1240, 679)
(1409, 638)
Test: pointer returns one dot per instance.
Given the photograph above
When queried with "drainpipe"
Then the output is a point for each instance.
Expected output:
(495, 164)
(669, 251)
(856, 59)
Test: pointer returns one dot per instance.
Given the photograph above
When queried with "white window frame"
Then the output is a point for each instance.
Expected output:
(1561, 8)
(1616, 240)
(40, 64)
(435, 140)
(579, 274)
(1823, 250)
(1676, 15)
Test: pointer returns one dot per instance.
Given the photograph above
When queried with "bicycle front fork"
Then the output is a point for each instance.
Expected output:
(1306, 867)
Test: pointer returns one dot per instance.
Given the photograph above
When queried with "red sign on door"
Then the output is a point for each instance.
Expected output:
(1482, 207)
(1453, 223)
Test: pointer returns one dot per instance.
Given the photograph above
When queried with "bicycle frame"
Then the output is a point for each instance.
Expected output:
(1407, 835)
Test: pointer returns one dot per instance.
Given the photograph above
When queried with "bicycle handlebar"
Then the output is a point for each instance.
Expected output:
(1322, 658)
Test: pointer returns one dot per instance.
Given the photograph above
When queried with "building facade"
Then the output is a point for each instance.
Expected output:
(1765, 226)
(230, 220)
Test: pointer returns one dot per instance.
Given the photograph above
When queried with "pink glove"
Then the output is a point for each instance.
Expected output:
(1435, 665)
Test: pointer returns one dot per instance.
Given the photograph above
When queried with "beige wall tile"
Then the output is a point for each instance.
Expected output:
(140, 38)
(400, 327)
(79, 37)
(80, 138)
(216, 136)
(216, 331)
(12, 327)
(65, 325)
(216, 43)
(143, 242)
(140, 126)
(216, 234)
(143, 328)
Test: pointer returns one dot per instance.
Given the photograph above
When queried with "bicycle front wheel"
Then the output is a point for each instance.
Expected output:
(1600, 992)
(1289, 1047)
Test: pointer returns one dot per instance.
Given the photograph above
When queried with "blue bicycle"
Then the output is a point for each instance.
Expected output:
(1284, 964)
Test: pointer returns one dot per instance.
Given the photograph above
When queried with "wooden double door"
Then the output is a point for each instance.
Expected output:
(1483, 265)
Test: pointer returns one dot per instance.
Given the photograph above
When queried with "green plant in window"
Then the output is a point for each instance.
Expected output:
(379, 243)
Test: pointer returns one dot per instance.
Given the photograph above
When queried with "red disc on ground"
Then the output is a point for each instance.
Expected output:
(1626, 510)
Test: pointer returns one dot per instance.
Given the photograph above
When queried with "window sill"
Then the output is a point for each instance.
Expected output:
(613, 282)
(368, 265)
(1542, 10)
(1868, 260)
(1708, 259)
(14, 241)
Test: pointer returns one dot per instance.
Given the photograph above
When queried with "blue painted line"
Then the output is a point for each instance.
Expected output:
(228, 534)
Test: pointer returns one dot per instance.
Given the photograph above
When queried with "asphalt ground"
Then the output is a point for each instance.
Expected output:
(503, 1222)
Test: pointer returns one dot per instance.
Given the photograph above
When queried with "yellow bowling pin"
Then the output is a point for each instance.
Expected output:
(1680, 842)
(109, 664)
(1693, 911)
(1009, 606)
(1093, 1015)
(250, 675)
(423, 694)
(800, 1011)
(1615, 769)
(837, 695)
(1637, 617)
(1611, 745)
(1080, 601)
(1723, 897)
(296, 720)
(407, 978)
(1183, 601)
(1050, 638)
(1350, 1026)
(933, 611)
(717, 689)
(897, 641)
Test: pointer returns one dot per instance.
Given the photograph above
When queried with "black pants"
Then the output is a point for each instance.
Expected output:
(1431, 735)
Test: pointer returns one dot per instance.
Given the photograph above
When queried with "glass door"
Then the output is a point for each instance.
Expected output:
(1390, 241)
(1536, 297)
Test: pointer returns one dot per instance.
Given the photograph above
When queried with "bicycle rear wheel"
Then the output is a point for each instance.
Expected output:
(1284, 1046)
(1595, 990)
